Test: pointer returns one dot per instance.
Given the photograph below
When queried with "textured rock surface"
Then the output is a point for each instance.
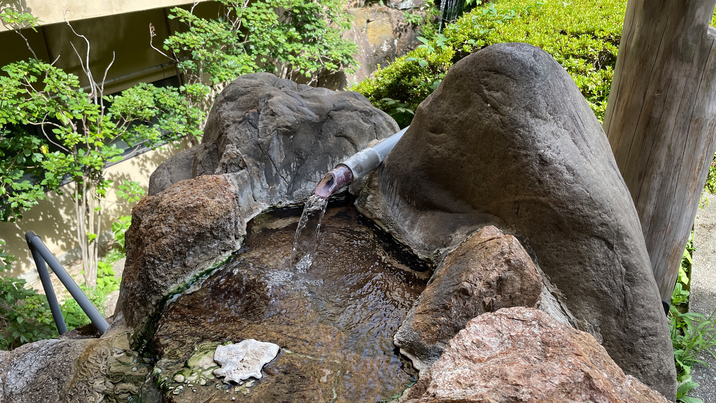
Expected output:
(277, 138)
(507, 134)
(487, 272)
(268, 141)
(175, 235)
(71, 370)
(244, 360)
(381, 35)
(175, 169)
(524, 355)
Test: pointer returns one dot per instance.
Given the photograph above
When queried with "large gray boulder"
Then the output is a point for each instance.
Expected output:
(508, 138)
(277, 137)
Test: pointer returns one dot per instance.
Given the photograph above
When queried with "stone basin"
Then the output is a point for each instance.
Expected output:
(334, 321)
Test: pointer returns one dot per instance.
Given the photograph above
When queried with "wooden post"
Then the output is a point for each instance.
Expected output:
(661, 121)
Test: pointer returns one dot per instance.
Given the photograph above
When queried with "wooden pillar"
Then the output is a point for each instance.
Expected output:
(661, 121)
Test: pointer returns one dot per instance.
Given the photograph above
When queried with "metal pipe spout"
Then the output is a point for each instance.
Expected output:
(356, 166)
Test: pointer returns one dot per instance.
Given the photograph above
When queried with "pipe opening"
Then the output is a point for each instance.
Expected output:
(333, 181)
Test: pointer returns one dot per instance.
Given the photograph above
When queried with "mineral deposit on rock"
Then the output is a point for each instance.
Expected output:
(244, 360)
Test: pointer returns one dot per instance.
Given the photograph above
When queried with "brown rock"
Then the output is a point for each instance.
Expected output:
(524, 355)
(487, 272)
(175, 235)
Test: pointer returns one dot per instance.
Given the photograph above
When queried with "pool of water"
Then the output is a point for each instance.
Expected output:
(333, 320)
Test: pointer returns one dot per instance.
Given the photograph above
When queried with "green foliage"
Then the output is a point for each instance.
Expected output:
(582, 36)
(6, 259)
(120, 227)
(78, 130)
(24, 315)
(691, 333)
(680, 296)
(130, 191)
(291, 38)
(409, 80)
(684, 389)
(426, 18)
(401, 112)
(711, 178)
(413, 18)
(17, 20)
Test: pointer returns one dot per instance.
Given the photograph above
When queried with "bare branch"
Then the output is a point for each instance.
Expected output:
(55, 61)
(196, 3)
(152, 34)
(104, 78)
(86, 65)
(27, 43)
(42, 126)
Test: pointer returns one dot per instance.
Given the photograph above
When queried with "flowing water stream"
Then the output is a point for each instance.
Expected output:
(309, 228)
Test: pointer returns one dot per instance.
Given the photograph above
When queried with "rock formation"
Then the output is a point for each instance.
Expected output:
(508, 138)
(487, 272)
(277, 138)
(174, 236)
(524, 355)
(72, 370)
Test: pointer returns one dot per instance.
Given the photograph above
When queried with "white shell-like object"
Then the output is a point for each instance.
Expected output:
(244, 360)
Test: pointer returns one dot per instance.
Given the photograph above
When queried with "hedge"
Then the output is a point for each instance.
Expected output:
(583, 36)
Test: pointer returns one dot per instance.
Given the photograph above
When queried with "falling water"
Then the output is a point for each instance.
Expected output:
(448, 12)
(309, 227)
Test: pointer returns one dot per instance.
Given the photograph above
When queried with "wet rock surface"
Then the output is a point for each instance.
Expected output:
(508, 138)
(334, 322)
(487, 272)
(174, 236)
(524, 355)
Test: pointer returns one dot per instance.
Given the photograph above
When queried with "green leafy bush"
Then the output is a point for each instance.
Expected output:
(582, 36)
(711, 179)
(691, 333)
(294, 39)
(24, 315)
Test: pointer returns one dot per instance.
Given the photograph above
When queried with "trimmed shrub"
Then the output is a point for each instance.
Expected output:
(583, 36)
